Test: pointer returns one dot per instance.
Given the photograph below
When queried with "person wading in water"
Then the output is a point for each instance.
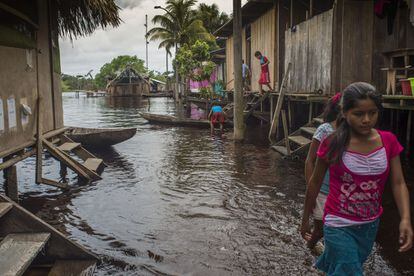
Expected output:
(215, 116)
(360, 160)
(330, 115)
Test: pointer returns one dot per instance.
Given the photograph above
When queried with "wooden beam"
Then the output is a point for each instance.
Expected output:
(12, 161)
(39, 145)
(285, 131)
(275, 122)
(54, 183)
(11, 183)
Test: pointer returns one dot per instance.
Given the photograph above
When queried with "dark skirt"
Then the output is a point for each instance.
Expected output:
(347, 248)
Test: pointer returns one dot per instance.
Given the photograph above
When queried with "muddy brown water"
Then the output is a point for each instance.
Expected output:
(176, 201)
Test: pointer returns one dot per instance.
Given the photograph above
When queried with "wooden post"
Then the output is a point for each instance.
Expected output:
(291, 13)
(311, 9)
(285, 130)
(310, 112)
(11, 187)
(271, 106)
(238, 85)
(275, 120)
(39, 145)
(408, 137)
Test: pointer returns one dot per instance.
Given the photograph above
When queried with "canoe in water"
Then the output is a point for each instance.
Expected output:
(176, 121)
(100, 137)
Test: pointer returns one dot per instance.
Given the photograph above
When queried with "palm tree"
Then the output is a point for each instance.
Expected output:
(179, 25)
(211, 16)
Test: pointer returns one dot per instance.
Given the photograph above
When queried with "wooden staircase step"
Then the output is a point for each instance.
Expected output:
(318, 120)
(17, 251)
(4, 208)
(72, 268)
(280, 149)
(300, 140)
(309, 130)
(69, 146)
(93, 164)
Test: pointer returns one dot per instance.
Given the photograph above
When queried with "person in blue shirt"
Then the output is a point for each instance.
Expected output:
(246, 76)
(215, 116)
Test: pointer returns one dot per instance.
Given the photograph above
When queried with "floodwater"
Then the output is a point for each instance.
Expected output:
(176, 201)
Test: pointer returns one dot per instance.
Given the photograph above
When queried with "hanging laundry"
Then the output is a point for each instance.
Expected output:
(387, 8)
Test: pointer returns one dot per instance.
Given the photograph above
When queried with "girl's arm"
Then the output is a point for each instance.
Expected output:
(312, 191)
(311, 160)
(402, 199)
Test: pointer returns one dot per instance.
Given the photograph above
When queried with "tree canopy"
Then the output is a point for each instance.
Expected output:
(182, 24)
(211, 16)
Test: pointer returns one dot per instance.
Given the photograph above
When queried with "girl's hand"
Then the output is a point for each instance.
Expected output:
(406, 236)
(305, 230)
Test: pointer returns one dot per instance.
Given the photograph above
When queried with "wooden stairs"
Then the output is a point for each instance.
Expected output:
(72, 155)
(253, 102)
(31, 247)
(299, 140)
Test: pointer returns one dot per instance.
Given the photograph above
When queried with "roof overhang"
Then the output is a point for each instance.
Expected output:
(250, 12)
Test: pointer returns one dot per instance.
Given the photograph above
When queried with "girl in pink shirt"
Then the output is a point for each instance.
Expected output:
(360, 159)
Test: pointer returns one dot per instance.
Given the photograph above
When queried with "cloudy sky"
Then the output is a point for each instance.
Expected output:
(91, 52)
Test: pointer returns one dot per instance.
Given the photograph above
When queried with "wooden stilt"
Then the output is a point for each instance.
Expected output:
(286, 133)
(408, 136)
(290, 112)
(39, 145)
(63, 172)
(271, 107)
(310, 112)
(11, 187)
(275, 119)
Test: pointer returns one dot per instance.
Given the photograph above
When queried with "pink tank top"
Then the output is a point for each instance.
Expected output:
(356, 196)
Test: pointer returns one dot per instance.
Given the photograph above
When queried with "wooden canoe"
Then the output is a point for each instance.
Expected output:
(30, 246)
(100, 137)
(176, 121)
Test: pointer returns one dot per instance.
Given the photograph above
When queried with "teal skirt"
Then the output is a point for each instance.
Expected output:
(347, 248)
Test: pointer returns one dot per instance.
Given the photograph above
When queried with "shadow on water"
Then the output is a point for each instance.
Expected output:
(176, 201)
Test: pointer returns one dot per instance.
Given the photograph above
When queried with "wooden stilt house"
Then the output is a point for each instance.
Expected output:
(329, 44)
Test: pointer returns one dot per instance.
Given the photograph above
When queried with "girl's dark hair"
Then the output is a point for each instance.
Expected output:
(331, 111)
(355, 92)
(257, 53)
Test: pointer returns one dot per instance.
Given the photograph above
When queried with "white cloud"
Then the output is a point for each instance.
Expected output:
(84, 54)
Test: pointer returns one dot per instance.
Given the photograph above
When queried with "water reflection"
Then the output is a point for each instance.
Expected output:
(176, 201)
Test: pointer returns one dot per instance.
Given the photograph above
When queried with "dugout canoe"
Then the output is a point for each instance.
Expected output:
(100, 137)
(176, 121)
(30, 246)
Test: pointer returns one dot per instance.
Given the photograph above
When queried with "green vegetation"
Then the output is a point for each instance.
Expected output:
(183, 24)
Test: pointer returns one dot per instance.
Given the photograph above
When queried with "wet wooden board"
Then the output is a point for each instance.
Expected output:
(69, 146)
(300, 140)
(4, 208)
(17, 251)
(309, 130)
(72, 268)
(93, 163)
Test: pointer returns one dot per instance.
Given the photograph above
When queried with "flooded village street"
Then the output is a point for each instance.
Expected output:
(176, 201)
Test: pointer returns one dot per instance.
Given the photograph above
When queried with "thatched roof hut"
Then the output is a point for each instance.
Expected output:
(129, 83)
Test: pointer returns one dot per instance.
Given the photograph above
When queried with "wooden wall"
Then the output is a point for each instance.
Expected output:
(401, 37)
(20, 76)
(309, 48)
(230, 59)
(263, 39)
(357, 47)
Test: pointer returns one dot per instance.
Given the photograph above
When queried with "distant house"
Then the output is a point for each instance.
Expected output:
(128, 83)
